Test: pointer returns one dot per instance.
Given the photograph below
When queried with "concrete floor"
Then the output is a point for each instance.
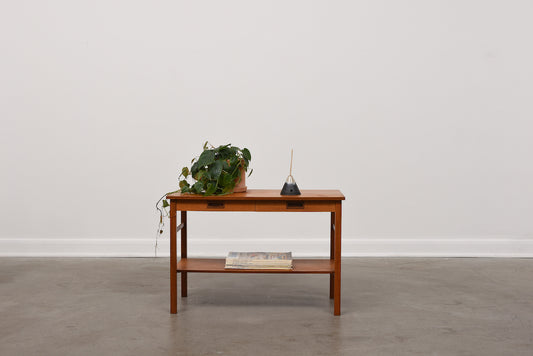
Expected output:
(393, 306)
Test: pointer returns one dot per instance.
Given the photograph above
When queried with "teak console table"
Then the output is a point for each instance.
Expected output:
(256, 200)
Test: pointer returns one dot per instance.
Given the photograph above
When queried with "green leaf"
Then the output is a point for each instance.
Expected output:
(165, 203)
(205, 145)
(222, 148)
(185, 171)
(200, 174)
(225, 153)
(225, 179)
(206, 158)
(194, 168)
(198, 187)
(215, 170)
(225, 165)
(227, 189)
(185, 189)
(246, 154)
(249, 174)
(183, 183)
(233, 161)
(210, 189)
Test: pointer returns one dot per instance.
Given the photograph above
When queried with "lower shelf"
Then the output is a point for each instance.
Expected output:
(216, 265)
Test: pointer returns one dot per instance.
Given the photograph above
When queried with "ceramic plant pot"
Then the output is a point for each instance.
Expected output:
(241, 183)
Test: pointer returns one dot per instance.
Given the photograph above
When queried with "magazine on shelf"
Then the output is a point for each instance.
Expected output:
(259, 260)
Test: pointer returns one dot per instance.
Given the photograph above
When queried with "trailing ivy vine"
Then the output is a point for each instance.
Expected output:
(215, 172)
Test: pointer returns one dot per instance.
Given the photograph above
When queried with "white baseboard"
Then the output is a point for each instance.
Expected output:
(351, 247)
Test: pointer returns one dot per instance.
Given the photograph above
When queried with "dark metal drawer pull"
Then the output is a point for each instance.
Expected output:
(295, 205)
(216, 204)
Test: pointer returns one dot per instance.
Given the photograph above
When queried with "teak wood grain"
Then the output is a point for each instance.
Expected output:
(295, 205)
(264, 194)
(215, 205)
(212, 265)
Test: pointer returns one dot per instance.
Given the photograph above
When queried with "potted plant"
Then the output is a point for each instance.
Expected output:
(217, 171)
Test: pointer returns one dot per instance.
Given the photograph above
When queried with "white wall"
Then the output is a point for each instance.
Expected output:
(419, 111)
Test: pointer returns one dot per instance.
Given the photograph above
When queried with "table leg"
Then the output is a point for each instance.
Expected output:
(173, 261)
(337, 278)
(332, 254)
(184, 252)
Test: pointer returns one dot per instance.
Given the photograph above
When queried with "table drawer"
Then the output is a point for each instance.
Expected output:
(295, 205)
(215, 205)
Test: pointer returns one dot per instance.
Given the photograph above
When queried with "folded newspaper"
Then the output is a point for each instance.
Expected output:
(259, 260)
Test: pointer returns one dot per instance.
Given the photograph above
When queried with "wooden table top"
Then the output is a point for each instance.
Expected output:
(265, 194)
